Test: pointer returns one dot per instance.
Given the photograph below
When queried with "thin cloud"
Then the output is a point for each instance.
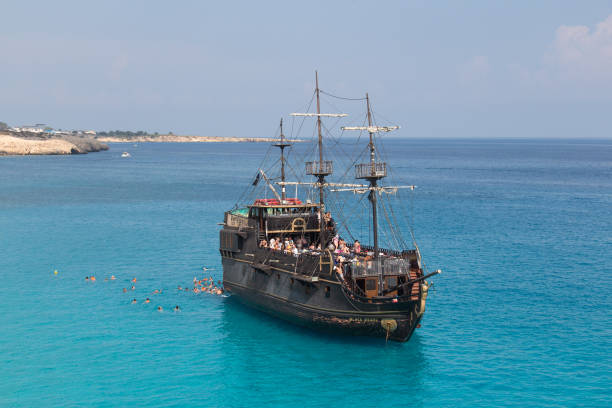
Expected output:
(582, 53)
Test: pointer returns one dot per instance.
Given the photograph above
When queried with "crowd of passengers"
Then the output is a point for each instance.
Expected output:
(338, 246)
(343, 253)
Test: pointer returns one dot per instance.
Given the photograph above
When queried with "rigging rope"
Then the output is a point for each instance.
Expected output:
(341, 97)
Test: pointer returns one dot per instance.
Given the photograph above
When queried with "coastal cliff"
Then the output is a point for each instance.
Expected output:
(11, 145)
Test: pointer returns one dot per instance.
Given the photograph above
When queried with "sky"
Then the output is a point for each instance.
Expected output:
(438, 69)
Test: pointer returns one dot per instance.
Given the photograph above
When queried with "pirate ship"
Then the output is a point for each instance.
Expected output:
(293, 258)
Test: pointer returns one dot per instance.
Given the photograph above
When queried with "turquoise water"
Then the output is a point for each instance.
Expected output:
(521, 315)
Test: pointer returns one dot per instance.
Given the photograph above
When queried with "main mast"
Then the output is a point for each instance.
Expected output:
(321, 174)
(320, 168)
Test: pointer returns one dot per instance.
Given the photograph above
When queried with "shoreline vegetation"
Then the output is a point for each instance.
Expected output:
(119, 136)
(183, 139)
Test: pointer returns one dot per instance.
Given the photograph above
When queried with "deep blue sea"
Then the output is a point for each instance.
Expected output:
(521, 316)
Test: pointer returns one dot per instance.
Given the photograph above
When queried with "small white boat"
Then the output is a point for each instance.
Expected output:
(126, 154)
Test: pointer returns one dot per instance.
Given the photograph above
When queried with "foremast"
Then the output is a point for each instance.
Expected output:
(282, 145)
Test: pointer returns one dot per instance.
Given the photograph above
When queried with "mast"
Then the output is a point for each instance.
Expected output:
(282, 146)
(320, 168)
(372, 171)
(373, 179)
(321, 174)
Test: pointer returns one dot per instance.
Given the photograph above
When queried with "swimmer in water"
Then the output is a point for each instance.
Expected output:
(134, 280)
(147, 300)
(156, 291)
(196, 290)
(134, 301)
(93, 278)
(159, 308)
(87, 278)
(113, 277)
(133, 287)
(180, 288)
(124, 290)
(176, 308)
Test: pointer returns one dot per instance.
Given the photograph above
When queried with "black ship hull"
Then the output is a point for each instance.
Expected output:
(321, 304)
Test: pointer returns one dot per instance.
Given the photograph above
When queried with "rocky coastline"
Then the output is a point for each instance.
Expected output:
(11, 145)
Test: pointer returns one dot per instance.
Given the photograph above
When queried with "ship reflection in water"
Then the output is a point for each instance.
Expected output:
(293, 258)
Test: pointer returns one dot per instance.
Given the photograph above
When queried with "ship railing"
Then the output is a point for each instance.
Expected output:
(391, 252)
(317, 168)
(370, 170)
(380, 267)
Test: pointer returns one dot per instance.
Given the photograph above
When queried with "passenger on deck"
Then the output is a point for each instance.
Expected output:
(263, 243)
(344, 250)
(338, 269)
(327, 217)
(357, 247)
